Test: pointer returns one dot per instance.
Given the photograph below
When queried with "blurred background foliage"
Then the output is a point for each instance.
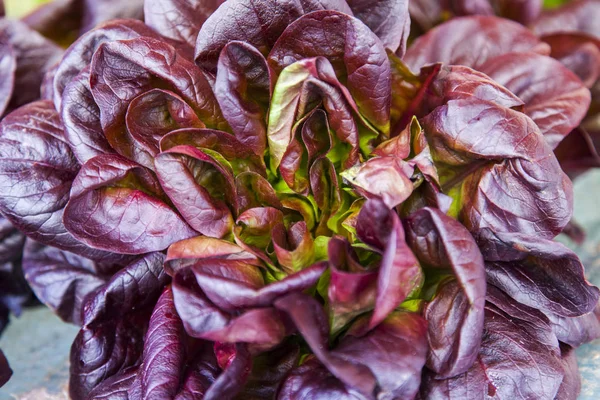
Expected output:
(19, 8)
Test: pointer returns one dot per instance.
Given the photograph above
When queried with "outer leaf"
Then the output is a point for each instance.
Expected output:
(138, 285)
(517, 359)
(554, 97)
(268, 370)
(539, 273)
(459, 82)
(571, 384)
(82, 127)
(579, 151)
(455, 316)
(164, 351)
(471, 41)
(521, 11)
(105, 351)
(258, 23)
(356, 54)
(8, 67)
(243, 90)
(390, 356)
(62, 280)
(579, 52)
(123, 386)
(80, 53)
(395, 353)
(36, 171)
(426, 13)
(33, 55)
(145, 63)
(109, 197)
(179, 19)
(576, 16)
(388, 19)
(576, 331)
(533, 196)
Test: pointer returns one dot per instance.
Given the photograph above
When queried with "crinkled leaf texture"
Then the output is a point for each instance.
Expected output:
(117, 204)
(472, 41)
(389, 357)
(115, 317)
(25, 56)
(510, 182)
(554, 97)
(519, 357)
(37, 168)
(577, 16)
(239, 20)
(538, 273)
(455, 316)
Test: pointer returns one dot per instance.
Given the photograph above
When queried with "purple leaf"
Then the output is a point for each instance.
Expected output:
(82, 127)
(519, 358)
(455, 316)
(124, 386)
(532, 196)
(471, 41)
(243, 90)
(388, 19)
(37, 168)
(62, 280)
(579, 52)
(312, 377)
(139, 65)
(98, 11)
(399, 271)
(539, 273)
(79, 55)
(554, 97)
(164, 355)
(571, 384)
(104, 351)
(358, 58)
(179, 19)
(578, 16)
(117, 204)
(26, 56)
(199, 186)
(258, 23)
(138, 285)
(576, 331)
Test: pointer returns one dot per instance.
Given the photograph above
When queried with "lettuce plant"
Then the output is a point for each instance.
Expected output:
(259, 199)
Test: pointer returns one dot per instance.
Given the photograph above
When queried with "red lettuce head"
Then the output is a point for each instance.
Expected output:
(264, 202)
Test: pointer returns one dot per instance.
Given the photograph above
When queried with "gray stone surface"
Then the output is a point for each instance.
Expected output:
(37, 347)
(38, 343)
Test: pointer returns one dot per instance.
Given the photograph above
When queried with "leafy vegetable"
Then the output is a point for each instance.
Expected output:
(259, 199)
